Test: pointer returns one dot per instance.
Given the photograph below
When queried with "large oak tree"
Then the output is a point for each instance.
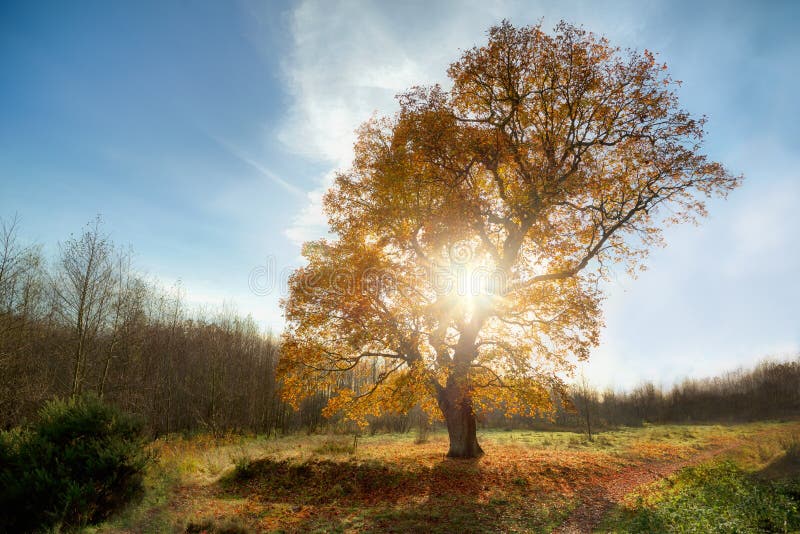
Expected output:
(475, 225)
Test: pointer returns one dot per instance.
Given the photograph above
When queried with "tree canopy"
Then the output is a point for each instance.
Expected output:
(475, 226)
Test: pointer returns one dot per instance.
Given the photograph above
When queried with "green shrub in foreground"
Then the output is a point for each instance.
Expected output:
(721, 498)
(80, 461)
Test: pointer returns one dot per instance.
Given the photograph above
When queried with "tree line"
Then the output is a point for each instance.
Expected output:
(86, 321)
(770, 390)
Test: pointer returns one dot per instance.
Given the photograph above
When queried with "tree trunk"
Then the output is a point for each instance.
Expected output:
(456, 405)
(588, 420)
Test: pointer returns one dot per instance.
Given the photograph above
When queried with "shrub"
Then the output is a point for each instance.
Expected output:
(79, 462)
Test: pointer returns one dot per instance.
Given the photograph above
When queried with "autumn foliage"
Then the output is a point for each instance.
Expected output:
(475, 225)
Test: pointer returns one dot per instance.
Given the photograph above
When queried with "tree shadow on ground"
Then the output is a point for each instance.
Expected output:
(373, 496)
(785, 466)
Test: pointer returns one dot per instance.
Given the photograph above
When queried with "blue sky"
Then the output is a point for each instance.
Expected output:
(205, 133)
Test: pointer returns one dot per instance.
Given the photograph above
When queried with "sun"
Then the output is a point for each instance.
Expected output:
(471, 280)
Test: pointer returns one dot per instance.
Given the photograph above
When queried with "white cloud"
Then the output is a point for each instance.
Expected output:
(310, 223)
(339, 74)
(350, 59)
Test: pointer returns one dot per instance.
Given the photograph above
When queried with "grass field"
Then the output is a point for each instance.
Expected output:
(624, 480)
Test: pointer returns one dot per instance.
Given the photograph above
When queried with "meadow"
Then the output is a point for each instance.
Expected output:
(741, 477)
(326, 290)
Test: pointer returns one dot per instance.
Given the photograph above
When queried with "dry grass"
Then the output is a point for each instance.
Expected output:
(527, 482)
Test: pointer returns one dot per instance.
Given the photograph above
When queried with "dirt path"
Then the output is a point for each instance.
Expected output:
(601, 498)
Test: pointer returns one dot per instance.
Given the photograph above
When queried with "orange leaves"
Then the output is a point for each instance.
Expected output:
(553, 158)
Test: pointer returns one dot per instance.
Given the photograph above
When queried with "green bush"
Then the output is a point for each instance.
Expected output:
(721, 498)
(79, 462)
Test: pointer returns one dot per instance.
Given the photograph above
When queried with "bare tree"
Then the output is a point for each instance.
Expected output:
(18, 264)
(84, 288)
(20, 304)
(127, 313)
(585, 397)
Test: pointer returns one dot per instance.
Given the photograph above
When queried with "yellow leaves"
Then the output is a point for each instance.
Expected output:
(523, 396)
(341, 400)
(553, 157)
